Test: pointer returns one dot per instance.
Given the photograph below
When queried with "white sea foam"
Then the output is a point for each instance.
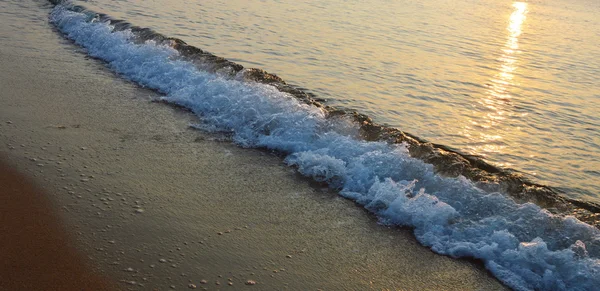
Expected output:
(525, 246)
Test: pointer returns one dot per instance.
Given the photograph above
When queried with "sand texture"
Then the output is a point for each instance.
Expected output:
(36, 251)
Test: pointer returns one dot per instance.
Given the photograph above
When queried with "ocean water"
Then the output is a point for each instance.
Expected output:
(513, 82)
(524, 245)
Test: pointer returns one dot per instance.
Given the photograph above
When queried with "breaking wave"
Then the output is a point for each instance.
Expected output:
(455, 210)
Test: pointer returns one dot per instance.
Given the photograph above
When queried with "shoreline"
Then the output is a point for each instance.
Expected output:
(447, 161)
(154, 204)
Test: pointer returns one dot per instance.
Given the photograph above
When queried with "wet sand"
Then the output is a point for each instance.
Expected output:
(154, 204)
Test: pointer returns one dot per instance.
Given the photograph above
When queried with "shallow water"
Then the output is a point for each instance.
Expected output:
(510, 81)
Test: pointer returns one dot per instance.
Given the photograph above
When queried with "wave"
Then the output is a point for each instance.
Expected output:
(457, 204)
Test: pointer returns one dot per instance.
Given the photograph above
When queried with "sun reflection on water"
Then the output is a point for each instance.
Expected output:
(504, 79)
(486, 132)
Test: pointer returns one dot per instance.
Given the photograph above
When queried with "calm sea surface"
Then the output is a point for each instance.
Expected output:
(514, 82)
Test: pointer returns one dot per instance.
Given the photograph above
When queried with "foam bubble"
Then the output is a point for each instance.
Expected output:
(523, 245)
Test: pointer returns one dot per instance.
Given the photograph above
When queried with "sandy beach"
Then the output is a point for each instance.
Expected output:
(36, 250)
(151, 204)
